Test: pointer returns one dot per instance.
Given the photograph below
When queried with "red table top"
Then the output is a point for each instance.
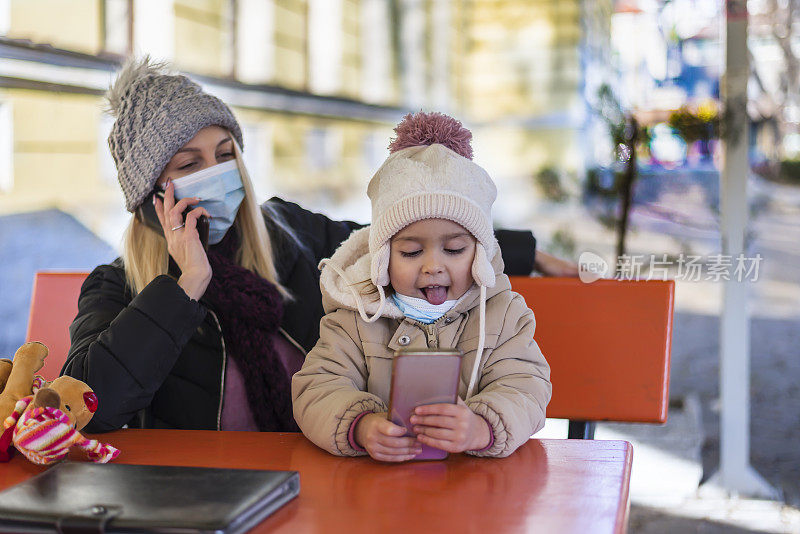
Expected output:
(545, 486)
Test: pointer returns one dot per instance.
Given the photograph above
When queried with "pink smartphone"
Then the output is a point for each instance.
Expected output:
(423, 377)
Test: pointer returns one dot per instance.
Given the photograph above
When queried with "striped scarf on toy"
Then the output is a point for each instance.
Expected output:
(44, 435)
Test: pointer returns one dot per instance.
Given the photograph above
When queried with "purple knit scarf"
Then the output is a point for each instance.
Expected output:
(250, 310)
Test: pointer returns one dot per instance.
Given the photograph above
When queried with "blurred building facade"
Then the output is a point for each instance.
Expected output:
(316, 84)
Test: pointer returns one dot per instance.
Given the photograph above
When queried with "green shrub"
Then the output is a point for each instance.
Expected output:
(563, 243)
(701, 124)
(604, 182)
(790, 171)
(548, 180)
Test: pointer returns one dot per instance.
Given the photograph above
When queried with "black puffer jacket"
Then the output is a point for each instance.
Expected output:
(157, 360)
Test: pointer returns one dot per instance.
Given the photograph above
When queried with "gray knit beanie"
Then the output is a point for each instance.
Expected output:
(156, 114)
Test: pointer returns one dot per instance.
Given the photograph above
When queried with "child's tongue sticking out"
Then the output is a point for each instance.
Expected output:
(435, 294)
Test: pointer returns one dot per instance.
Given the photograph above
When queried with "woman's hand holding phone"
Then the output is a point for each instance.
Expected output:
(384, 440)
(451, 427)
(183, 243)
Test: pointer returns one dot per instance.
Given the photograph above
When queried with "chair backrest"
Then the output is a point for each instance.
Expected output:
(54, 304)
(608, 345)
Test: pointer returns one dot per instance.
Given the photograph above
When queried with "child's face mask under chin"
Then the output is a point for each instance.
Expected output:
(432, 260)
(221, 190)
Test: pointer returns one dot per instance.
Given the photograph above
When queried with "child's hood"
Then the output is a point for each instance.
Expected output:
(353, 259)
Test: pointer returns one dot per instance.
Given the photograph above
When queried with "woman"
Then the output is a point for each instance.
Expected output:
(172, 336)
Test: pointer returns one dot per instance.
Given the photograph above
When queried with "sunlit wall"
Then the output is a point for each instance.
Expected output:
(514, 71)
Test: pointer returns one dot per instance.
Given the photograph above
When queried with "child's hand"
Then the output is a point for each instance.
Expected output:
(450, 427)
(383, 439)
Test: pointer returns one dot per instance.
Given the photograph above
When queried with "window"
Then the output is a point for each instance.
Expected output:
(255, 40)
(323, 149)
(154, 28)
(375, 150)
(258, 159)
(325, 31)
(440, 57)
(5, 16)
(412, 47)
(116, 24)
(376, 51)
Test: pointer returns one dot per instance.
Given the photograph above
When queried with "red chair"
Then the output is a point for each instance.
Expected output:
(608, 345)
(54, 304)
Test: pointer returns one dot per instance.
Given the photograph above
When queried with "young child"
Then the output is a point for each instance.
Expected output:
(432, 247)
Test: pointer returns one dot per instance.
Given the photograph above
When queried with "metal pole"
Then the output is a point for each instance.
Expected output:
(735, 473)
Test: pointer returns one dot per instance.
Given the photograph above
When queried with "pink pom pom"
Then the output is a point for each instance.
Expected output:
(417, 129)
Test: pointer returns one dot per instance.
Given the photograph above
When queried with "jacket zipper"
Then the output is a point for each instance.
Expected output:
(222, 377)
(431, 331)
(433, 339)
(292, 341)
(225, 361)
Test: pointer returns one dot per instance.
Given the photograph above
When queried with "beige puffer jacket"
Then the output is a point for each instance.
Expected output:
(349, 370)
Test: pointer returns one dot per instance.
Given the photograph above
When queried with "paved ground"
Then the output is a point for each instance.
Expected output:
(775, 344)
(680, 218)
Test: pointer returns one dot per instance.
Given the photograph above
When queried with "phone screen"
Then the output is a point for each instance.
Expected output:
(422, 377)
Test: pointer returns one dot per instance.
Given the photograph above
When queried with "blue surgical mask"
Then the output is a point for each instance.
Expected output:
(420, 309)
(222, 192)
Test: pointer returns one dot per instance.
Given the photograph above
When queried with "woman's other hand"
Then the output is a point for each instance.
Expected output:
(384, 440)
(550, 265)
(183, 240)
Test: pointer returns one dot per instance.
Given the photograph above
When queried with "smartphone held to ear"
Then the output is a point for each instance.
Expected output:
(146, 213)
(422, 377)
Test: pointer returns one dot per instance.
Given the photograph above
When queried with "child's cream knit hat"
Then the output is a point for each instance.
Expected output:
(430, 175)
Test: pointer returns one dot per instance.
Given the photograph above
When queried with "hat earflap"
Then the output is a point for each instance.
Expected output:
(482, 270)
(379, 267)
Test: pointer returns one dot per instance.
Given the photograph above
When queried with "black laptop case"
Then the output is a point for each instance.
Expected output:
(74, 497)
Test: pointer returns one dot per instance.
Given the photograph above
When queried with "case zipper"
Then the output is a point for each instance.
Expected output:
(222, 377)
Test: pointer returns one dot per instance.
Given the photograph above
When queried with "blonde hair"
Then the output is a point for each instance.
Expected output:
(145, 251)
